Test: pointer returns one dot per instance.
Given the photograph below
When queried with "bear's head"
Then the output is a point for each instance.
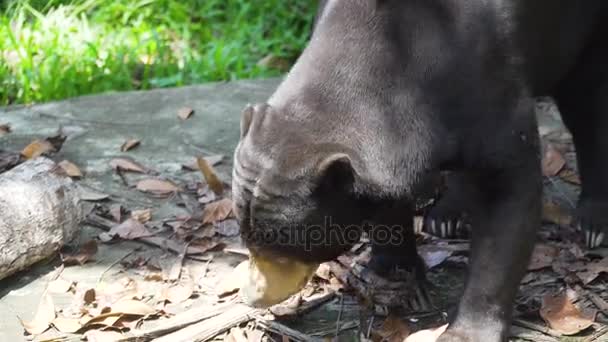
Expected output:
(295, 200)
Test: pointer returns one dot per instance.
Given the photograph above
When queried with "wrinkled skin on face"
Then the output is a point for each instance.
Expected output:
(296, 204)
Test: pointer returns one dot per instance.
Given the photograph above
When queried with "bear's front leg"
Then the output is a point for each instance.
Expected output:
(394, 250)
(505, 218)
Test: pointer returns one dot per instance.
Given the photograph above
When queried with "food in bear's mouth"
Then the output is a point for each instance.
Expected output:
(272, 280)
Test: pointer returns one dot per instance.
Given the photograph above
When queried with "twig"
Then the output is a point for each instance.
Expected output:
(597, 335)
(235, 315)
(239, 251)
(176, 270)
(598, 301)
(343, 327)
(278, 328)
(368, 333)
(116, 263)
(178, 322)
(536, 327)
(339, 316)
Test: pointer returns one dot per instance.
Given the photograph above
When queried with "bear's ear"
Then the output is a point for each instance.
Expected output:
(336, 172)
(246, 118)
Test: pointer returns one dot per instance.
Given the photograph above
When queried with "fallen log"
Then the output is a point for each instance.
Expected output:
(39, 213)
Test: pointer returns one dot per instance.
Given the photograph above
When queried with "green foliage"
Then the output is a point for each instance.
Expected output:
(54, 49)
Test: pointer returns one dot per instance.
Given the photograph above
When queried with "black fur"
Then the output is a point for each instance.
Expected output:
(402, 89)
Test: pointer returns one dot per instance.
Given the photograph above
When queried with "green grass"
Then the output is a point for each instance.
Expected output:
(55, 49)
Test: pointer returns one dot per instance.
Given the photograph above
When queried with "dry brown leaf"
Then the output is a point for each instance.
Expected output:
(570, 176)
(554, 213)
(142, 216)
(324, 271)
(593, 270)
(37, 148)
(178, 293)
(129, 145)
(563, 316)
(89, 296)
(43, 317)
(84, 254)
(215, 184)
(60, 285)
(185, 113)
(133, 307)
(129, 230)
(70, 169)
(217, 211)
(57, 140)
(127, 165)
(157, 187)
(102, 336)
(5, 129)
(232, 282)
(116, 211)
(542, 256)
(287, 308)
(393, 329)
(429, 335)
(106, 319)
(553, 161)
(205, 245)
(67, 325)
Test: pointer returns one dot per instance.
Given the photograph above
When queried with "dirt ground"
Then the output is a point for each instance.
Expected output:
(158, 254)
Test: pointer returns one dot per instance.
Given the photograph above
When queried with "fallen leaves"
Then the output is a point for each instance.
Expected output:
(215, 184)
(41, 147)
(593, 270)
(130, 229)
(563, 316)
(84, 254)
(553, 161)
(37, 148)
(217, 211)
(542, 256)
(127, 165)
(157, 187)
(132, 307)
(185, 113)
(178, 293)
(102, 336)
(129, 145)
(70, 169)
(393, 329)
(143, 215)
(67, 325)
(554, 213)
(43, 317)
